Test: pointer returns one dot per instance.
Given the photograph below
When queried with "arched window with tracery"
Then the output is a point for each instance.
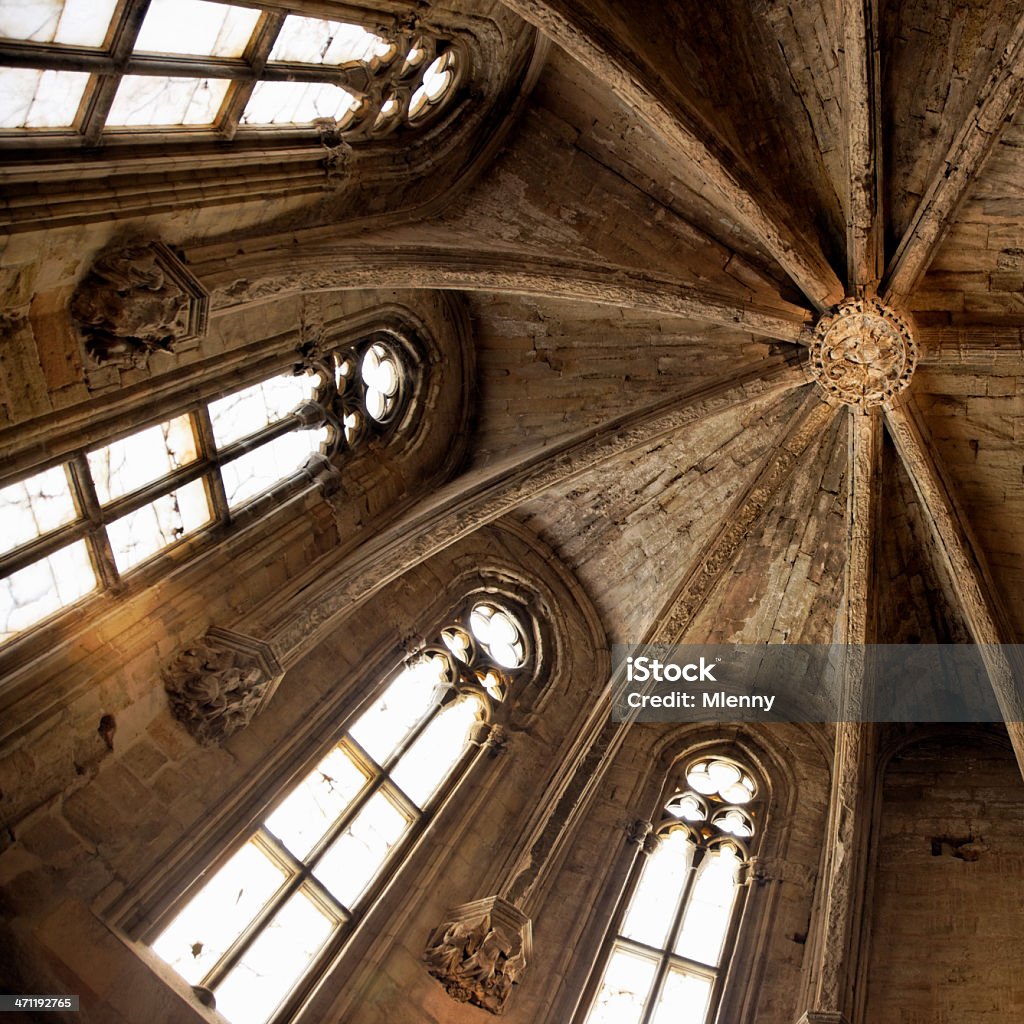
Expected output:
(287, 899)
(102, 512)
(667, 960)
(92, 71)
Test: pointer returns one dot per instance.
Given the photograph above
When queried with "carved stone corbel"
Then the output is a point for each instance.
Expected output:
(219, 684)
(137, 300)
(480, 951)
(322, 472)
(337, 159)
(638, 831)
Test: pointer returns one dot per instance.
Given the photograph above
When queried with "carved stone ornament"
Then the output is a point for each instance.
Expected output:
(863, 353)
(219, 684)
(480, 952)
(138, 300)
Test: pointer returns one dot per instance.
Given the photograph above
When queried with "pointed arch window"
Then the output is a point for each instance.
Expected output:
(82, 525)
(666, 963)
(284, 903)
(99, 68)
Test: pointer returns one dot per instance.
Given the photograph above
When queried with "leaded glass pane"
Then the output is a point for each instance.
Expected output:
(35, 506)
(706, 921)
(247, 411)
(429, 761)
(357, 855)
(200, 935)
(314, 41)
(624, 988)
(126, 465)
(389, 719)
(683, 999)
(196, 27)
(155, 100)
(317, 802)
(141, 534)
(298, 103)
(74, 22)
(656, 897)
(46, 586)
(30, 98)
(258, 470)
(274, 962)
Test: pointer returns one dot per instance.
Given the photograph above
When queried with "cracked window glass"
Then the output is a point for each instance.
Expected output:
(247, 411)
(46, 586)
(298, 103)
(317, 802)
(74, 22)
(272, 965)
(196, 27)
(314, 41)
(392, 716)
(258, 470)
(427, 763)
(141, 534)
(200, 935)
(155, 100)
(122, 467)
(30, 98)
(353, 860)
(33, 507)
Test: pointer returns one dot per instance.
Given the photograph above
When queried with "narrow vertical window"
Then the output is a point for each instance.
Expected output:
(255, 932)
(666, 963)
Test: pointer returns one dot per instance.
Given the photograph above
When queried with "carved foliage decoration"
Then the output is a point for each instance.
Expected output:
(480, 952)
(219, 684)
(137, 300)
(863, 353)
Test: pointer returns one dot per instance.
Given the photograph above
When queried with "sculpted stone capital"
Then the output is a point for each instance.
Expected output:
(137, 300)
(480, 951)
(217, 685)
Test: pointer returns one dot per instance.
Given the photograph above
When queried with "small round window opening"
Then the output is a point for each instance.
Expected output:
(369, 384)
(718, 790)
(490, 643)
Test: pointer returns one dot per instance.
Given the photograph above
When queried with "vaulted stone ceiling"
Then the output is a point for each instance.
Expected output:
(689, 189)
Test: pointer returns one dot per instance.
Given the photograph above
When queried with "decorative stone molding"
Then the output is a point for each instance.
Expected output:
(863, 353)
(137, 300)
(480, 951)
(822, 1017)
(219, 684)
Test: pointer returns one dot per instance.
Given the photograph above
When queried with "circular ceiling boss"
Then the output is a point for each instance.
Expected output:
(863, 352)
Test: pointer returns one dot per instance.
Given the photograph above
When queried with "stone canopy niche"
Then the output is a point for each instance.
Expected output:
(863, 353)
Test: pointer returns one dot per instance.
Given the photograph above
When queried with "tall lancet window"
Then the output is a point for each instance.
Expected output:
(666, 963)
(259, 931)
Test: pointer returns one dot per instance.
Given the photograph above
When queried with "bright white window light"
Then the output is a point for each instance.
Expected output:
(155, 100)
(196, 27)
(73, 22)
(30, 98)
